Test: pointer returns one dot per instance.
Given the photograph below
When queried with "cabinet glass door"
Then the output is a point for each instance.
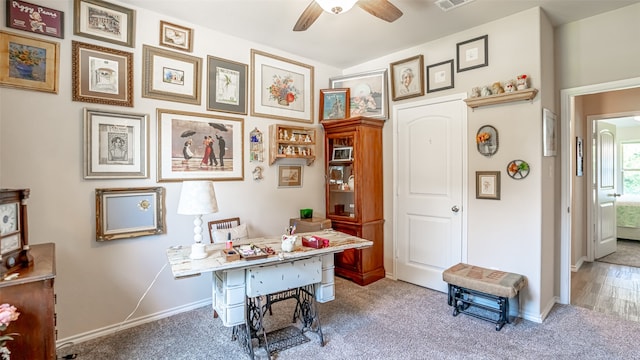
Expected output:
(341, 198)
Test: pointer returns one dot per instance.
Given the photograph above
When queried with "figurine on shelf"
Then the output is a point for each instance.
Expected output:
(510, 86)
(280, 134)
(496, 88)
(293, 137)
(522, 82)
(286, 135)
(289, 150)
(307, 138)
(485, 91)
(475, 92)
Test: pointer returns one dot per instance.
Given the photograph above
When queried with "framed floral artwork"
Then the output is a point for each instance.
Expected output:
(101, 75)
(407, 78)
(176, 36)
(487, 140)
(334, 104)
(368, 93)
(193, 146)
(473, 54)
(116, 145)
(171, 76)
(36, 19)
(29, 63)
(488, 185)
(226, 85)
(101, 20)
(282, 89)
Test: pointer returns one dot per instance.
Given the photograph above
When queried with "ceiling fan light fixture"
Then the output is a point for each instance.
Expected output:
(336, 6)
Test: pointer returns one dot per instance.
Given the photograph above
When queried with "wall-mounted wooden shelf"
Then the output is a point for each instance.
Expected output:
(520, 95)
(292, 142)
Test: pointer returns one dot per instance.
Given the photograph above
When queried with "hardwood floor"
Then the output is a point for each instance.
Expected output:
(607, 288)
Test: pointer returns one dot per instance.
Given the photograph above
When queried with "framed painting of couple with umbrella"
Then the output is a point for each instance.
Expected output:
(193, 146)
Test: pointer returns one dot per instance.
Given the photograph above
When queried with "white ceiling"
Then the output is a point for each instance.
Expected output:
(355, 37)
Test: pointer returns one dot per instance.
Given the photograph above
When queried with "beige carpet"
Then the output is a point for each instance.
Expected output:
(628, 253)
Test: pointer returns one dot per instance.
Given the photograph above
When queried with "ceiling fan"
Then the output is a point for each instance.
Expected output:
(382, 9)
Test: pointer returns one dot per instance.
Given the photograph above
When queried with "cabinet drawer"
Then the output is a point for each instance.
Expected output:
(275, 278)
(228, 295)
(231, 277)
(231, 315)
(325, 292)
(327, 261)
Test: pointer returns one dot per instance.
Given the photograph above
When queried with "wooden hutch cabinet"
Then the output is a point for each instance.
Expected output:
(353, 160)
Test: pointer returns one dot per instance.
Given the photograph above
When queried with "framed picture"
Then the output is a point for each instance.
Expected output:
(407, 78)
(101, 75)
(334, 104)
(473, 53)
(549, 146)
(171, 76)
(289, 176)
(226, 86)
(440, 76)
(282, 89)
(116, 145)
(487, 140)
(194, 146)
(29, 63)
(176, 36)
(129, 212)
(579, 157)
(100, 20)
(342, 153)
(33, 18)
(368, 93)
(488, 185)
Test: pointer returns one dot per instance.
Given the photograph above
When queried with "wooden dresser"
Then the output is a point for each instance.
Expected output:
(32, 293)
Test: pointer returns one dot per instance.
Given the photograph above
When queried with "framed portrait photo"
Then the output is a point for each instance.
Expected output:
(440, 76)
(334, 104)
(488, 185)
(473, 54)
(407, 78)
(176, 36)
(29, 63)
(282, 89)
(344, 153)
(171, 76)
(368, 93)
(226, 85)
(116, 145)
(101, 20)
(193, 146)
(101, 75)
(36, 19)
(289, 176)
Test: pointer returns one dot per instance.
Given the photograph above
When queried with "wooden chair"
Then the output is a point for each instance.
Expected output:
(222, 224)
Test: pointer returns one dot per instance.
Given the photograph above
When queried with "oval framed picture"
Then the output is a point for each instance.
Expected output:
(487, 140)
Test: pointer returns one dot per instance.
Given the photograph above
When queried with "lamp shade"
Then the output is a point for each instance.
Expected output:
(336, 6)
(197, 198)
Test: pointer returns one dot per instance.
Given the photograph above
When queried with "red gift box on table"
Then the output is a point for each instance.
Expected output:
(315, 242)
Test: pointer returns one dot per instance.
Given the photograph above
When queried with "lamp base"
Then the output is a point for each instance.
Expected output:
(197, 251)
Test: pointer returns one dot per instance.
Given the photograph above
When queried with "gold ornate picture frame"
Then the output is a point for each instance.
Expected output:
(29, 63)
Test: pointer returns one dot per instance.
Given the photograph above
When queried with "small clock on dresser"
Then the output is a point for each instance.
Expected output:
(14, 245)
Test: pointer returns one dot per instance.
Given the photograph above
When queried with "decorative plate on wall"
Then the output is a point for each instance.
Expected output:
(487, 140)
(518, 169)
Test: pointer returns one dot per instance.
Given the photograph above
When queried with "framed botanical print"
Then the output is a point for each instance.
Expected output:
(473, 54)
(101, 75)
(29, 63)
(368, 93)
(116, 145)
(407, 78)
(193, 146)
(176, 36)
(101, 20)
(34, 18)
(334, 104)
(226, 85)
(282, 88)
(168, 75)
(440, 76)
(488, 185)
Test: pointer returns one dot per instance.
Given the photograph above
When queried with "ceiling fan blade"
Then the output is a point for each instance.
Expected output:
(382, 9)
(308, 17)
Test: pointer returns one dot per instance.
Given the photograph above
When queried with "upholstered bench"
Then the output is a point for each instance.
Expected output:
(468, 282)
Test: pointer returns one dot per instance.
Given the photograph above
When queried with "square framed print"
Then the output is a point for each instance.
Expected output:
(488, 185)
(334, 104)
(289, 176)
(344, 153)
(549, 138)
(226, 85)
(123, 213)
(473, 54)
(176, 36)
(282, 89)
(36, 19)
(407, 78)
(101, 20)
(368, 93)
(171, 76)
(440, 76)
(193, 146)
(116, 145)
(29, 63)
(101, 75)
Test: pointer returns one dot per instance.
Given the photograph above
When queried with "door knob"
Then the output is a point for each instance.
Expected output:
(455, 209)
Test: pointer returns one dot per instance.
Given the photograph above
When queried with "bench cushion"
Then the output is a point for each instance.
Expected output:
(494, 282)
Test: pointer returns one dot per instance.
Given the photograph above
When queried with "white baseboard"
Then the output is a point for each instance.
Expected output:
(578, 264)
(111, 329)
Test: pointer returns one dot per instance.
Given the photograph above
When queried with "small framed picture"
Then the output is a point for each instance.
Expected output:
(473, 53)
(334, 104)
(407, 78)
(168, 75)
(440, 76)
(289, 176)
(579, 157)
(129, 212)
(548, 133)
(488, 185)
(36, 19)
(101, 20)
(368, 92)
(226, 85)
(342, 153)
(116, 145)
(176, 36)
(101, 75)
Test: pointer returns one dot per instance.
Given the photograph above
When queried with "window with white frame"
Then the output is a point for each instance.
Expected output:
(631, 167)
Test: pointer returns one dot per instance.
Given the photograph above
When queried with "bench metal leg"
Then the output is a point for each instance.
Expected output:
(459, 298)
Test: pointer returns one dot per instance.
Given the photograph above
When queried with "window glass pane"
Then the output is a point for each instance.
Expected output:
(631, 182)
(631, 156)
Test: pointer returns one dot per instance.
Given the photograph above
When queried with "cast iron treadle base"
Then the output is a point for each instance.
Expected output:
(459, 299)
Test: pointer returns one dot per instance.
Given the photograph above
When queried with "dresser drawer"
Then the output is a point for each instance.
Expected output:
(227, 295)
(231, 315)
(325, 292)
(283, 276)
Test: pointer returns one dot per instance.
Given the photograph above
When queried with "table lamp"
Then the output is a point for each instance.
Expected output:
(197, 198)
